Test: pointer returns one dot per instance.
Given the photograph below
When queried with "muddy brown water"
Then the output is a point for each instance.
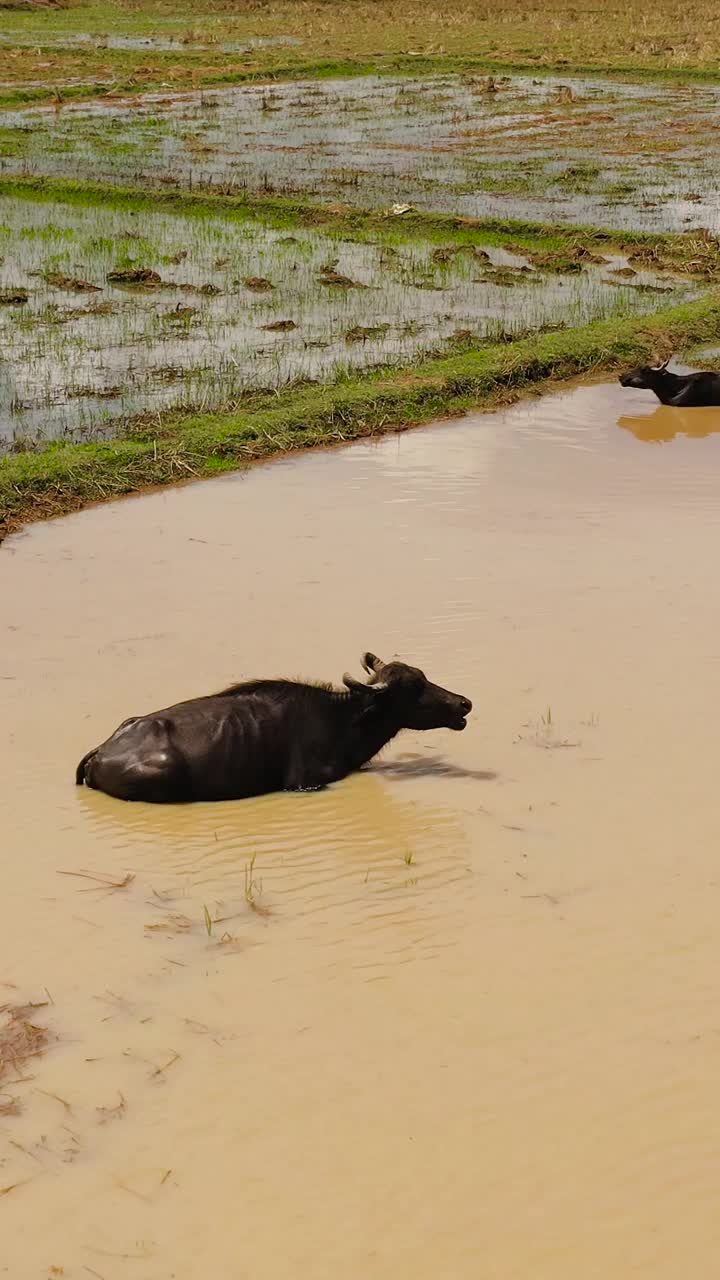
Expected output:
(471, 1026)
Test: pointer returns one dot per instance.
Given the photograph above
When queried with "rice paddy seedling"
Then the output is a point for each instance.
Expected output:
(95, 336)
(253, 888)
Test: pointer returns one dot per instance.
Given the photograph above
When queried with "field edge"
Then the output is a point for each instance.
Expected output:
(177, 446)
(129, 82)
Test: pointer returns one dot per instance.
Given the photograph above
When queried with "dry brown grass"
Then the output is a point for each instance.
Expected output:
(635, 36)
(20, 6)
(20, 1040)
(658, 34)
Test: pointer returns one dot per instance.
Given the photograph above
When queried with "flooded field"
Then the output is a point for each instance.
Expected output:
(188, 42)
(108, 314)
(461, 1006)
(591, 150)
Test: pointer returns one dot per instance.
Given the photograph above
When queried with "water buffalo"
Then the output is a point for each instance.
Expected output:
(691, 390)
(267, 735)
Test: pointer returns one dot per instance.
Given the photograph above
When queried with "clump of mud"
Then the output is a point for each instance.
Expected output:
(447, 253)
(583, 254)
(366, 333)
(557, 263)
(506, 277)
(328, 275)
(259, 284)
(208, 290)
(74, 284)
(13, 297)
(144, 276)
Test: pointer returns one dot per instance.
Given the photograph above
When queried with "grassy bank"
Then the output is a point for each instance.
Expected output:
(212, 40)
(64, 478)
(691, 249)
(114, 81)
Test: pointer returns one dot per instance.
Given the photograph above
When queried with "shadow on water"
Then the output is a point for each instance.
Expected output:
(428, 767)
(666, 422)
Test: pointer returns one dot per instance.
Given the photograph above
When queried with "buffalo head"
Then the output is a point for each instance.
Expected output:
(645, 376)
(410, 697)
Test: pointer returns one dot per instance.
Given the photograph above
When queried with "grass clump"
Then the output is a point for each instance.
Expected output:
(20, 1040)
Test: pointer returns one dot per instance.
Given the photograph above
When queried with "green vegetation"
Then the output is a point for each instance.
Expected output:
(62, 478)
(673, 251)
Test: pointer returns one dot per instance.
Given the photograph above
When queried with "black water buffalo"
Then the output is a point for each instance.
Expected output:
(690, 390)
(267, 735)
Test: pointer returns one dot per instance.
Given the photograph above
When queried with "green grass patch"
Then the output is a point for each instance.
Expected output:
(282, 212)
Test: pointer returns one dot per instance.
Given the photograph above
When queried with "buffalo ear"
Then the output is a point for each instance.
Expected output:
(351, 683)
